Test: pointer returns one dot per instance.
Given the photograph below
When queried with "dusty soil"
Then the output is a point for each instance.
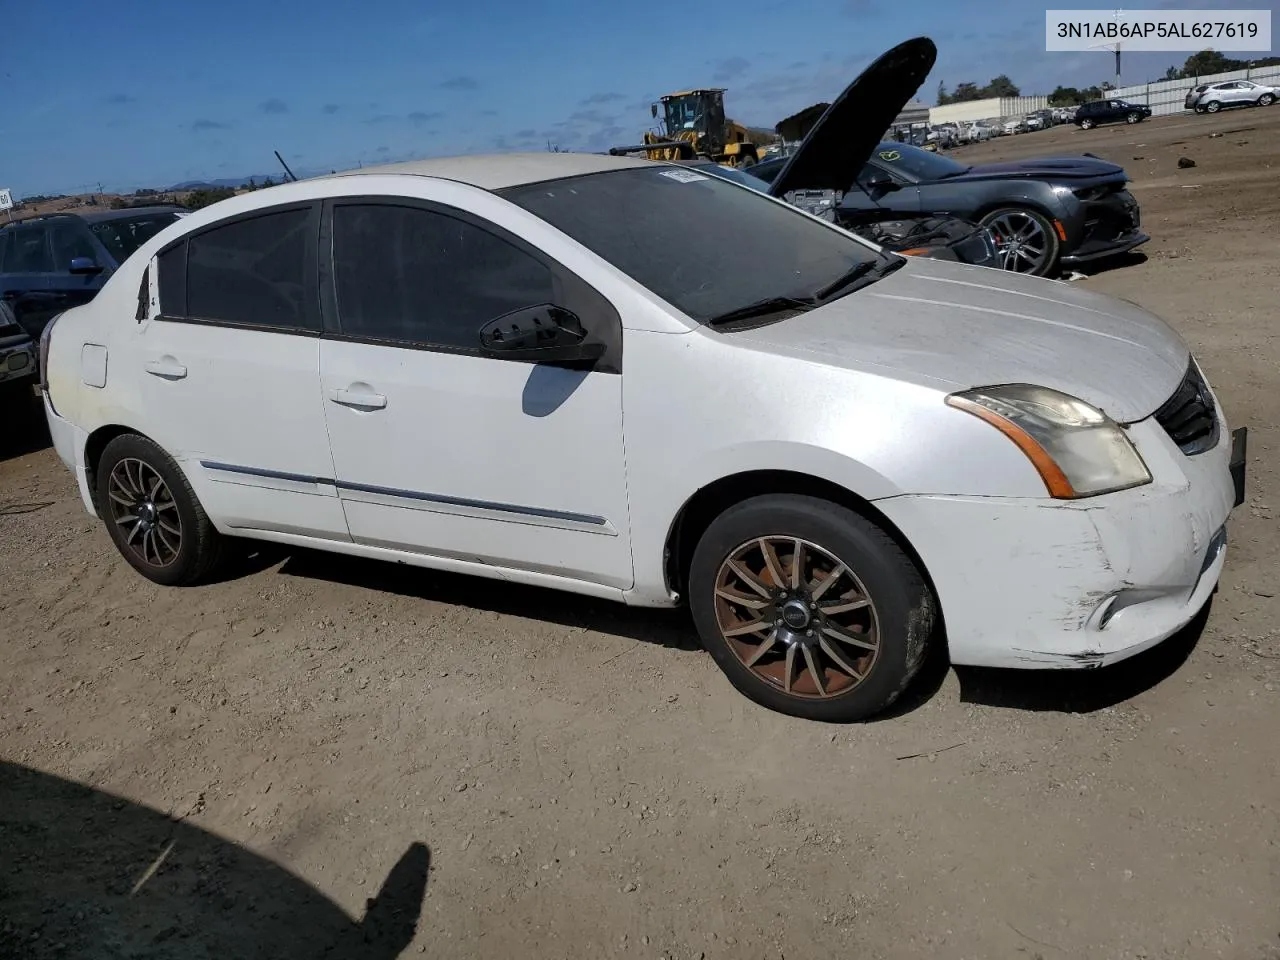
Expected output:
(587, 783)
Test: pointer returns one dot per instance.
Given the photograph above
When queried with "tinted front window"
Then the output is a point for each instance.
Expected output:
(27, 251)
(415, 275)
(124, 235)
(251, 271)
(916, 164)
(703, 245)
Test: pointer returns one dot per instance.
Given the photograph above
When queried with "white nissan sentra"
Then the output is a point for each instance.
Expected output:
(630, 380)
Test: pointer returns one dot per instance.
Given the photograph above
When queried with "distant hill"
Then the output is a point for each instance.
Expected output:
(224, 182)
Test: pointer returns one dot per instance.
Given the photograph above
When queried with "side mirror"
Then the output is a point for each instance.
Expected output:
(653, 110)
(84, 267)
(880, 183)
(542, 334)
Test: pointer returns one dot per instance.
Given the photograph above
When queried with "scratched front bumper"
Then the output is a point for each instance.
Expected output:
(1044, 583)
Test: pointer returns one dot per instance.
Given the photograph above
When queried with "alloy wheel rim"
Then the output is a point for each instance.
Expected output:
(1021, 242)
(797, 617)
(143, 508)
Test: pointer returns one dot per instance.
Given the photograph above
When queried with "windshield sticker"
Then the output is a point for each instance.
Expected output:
(890, 155)
(682, 176)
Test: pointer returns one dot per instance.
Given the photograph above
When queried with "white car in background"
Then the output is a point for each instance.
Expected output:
(1212, 97)
(550, 369)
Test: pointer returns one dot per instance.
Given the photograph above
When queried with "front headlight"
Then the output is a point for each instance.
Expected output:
(1077, 449)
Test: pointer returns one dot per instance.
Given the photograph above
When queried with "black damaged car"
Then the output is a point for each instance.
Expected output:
(1044, 214)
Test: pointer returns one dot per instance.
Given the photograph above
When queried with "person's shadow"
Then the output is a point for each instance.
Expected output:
(86, 874)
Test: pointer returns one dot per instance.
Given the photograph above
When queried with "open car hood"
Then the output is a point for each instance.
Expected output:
(833, 152)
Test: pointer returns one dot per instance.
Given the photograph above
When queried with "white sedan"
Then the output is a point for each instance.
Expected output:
(630, 380)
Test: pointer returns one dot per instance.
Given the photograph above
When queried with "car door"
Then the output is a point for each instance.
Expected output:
(26, 266)
(880, 194)
(442, 450)
(1240, 91)
(229, 374)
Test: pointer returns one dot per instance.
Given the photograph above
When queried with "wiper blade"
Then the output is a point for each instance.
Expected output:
(854, 274)
(761, 308)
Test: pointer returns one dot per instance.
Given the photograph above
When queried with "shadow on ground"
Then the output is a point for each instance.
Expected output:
(22, 431)
(670, 628)
(87, 874)
(1082, 691)
(1120, 261)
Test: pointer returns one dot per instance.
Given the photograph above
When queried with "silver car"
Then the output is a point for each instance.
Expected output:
(1212, 97)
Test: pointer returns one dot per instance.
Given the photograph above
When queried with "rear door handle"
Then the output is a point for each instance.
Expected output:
(168, 368)
(352, 398)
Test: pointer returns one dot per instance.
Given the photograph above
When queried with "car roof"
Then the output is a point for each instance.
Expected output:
(497, 171)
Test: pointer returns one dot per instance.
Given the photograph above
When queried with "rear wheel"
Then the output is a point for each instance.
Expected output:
(152, 514)
(1266, 99)
(809, 608)
(1026, 241)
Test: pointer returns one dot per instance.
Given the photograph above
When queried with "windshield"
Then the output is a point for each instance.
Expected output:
(682, 113)
(121, 236)
(917, 164)
(703, 245)
(733, 175)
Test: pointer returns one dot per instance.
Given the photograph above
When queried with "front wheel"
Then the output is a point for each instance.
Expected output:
(1133, 118)
(152, 514)
(1086, 124)
(1266, 100)
(809, 608)
(1026, 241)
(1213, 106)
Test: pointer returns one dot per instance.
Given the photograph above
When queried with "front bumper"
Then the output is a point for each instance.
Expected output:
(1045, 583)
(1104, 227)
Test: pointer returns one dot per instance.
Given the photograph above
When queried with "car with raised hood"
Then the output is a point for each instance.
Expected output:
(944, 238)
(551, 369)
(1045, 214)
(1212, 97)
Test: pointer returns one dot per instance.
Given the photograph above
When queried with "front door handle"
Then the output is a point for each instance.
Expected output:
(166, 367)
(352, 398)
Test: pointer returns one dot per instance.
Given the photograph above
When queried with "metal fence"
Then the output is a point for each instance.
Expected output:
(1168, 96)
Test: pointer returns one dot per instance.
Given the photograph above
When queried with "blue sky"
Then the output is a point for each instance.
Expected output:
(148, 94)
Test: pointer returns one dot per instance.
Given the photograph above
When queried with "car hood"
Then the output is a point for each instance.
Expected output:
(961, 327)
(1044, 168)
(837, 146)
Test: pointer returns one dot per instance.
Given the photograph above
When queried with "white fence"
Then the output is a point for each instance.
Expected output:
(992, 107)
(1168, 96)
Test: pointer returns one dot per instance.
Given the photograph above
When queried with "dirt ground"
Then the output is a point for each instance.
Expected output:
(587, 784)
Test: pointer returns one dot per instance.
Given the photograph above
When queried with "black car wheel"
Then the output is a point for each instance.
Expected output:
(152, 514)
(1213, 106)
(809, 608)
(1133, 118)
(1086, 124)
(1026, 241)
(1199, 109)
(1266, 100)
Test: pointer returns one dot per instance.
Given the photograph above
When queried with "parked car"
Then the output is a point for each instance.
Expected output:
(1044, 213)
(978, 133)
(1033, 121)
(53, 262)
(496, 378)
(943, 238)
(1015, 126)
(1097, 112)
(1212, 97)
(1064, 114)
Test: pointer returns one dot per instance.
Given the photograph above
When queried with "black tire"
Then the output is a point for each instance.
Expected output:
(902, 604)
(1213, 106)
(1266, 100)
(1199, 109)
(1053, 246)
(200, 548)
